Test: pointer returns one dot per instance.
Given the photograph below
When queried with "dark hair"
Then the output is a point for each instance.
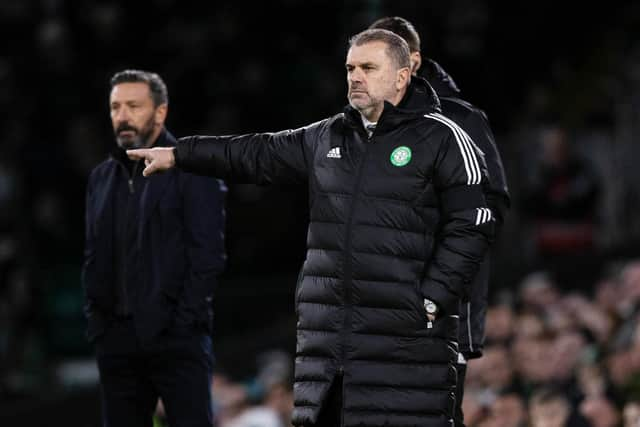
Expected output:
(397, 48)
(158, 89)
(401, 27)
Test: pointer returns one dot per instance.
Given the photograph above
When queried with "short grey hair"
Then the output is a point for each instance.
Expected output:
(397, 47)
(157, 87)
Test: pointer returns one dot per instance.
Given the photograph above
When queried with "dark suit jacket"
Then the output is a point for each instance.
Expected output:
(180, 244)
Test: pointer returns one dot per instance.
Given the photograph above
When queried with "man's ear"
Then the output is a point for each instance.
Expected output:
(160, 114)
(416, 62)
(403, 78)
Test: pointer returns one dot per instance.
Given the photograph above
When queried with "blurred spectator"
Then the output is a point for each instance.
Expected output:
(538, 291)
(631, 414)
(229, 398)
(592, 380)
(475, 403)
(499, 324)
(508, 410)
(276, 377)
(630, 288)
(528, 325)
(592, 319)
(550, 408)
(566, 351)
(265, 401)
(607, 296)
(600, 411)
(560, 199)
(496, 370)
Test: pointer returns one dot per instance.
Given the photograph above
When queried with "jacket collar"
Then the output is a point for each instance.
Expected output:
(420, 99)
(154, 185)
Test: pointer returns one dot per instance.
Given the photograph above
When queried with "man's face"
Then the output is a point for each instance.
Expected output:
(372, 78)
(508, 410)
(549, 414)
(134, 117)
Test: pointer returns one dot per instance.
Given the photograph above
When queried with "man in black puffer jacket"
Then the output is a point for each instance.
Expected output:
(379, 295)
(474, 121)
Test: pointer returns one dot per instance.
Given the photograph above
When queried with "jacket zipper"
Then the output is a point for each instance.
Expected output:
(348, 263)
(131, 176)
(125, 292)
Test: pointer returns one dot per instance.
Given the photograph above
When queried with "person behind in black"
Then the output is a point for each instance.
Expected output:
(379, 295)
(474, 121)
(561, 197)
(153, 250)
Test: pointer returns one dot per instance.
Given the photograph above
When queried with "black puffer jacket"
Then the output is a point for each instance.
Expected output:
(376, 205)
(474, 121)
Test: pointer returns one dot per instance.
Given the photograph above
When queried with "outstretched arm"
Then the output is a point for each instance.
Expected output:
(262, 158)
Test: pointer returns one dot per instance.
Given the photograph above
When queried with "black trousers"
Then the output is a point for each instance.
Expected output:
(458, 416)
(331, 411)
(177, 369)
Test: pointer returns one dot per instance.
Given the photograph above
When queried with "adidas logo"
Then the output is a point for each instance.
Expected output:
(334, 153)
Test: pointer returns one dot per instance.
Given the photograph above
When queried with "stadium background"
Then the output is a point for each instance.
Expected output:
(236, 67)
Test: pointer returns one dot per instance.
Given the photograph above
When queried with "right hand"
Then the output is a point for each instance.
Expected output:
(156, 159)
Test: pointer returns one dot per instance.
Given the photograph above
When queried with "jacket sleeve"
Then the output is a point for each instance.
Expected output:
(203, 207)
(466, 222)
(477, 126)
(262, 158)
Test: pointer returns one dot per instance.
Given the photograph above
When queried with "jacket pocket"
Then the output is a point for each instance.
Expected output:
(442, 321)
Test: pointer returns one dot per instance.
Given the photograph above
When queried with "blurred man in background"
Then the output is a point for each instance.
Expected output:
(476, 125)
(561, 196)
(153, 250)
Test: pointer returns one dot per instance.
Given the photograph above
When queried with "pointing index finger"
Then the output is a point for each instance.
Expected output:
(137, 154)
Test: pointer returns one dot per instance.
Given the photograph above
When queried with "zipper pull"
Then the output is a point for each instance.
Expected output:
(132, 176)
(429, 324)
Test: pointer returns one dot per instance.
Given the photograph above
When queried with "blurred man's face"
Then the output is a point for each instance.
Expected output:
(554, 413)
(632, 414)
(500, 321)
(136, 120)
(600, 412)
(373, 77)
(498, 370)
(508, 411)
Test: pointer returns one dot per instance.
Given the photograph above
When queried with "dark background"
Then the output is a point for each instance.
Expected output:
(236, 67)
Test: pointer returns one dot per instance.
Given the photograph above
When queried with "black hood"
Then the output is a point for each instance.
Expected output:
(419, 100)
(441, 81)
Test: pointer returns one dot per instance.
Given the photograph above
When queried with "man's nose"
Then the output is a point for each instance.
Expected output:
(122, 115)
(355, 76)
